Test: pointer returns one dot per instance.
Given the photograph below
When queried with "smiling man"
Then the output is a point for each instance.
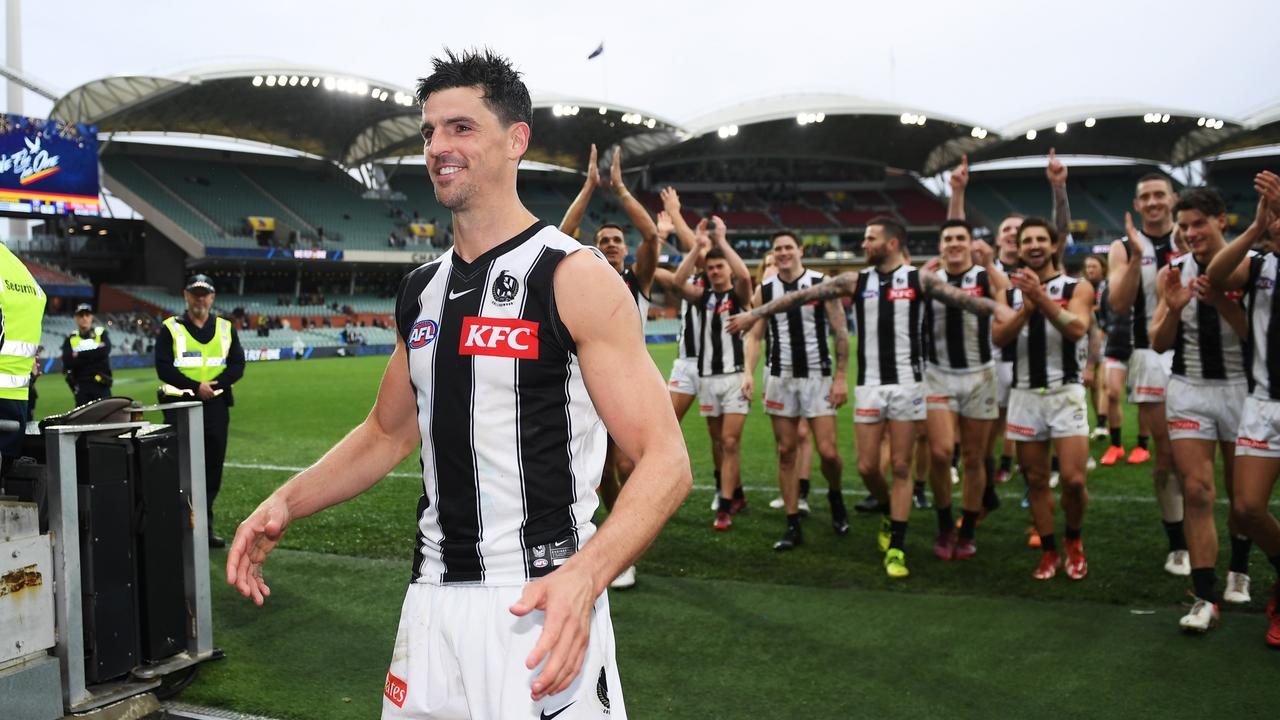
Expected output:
(517, 348)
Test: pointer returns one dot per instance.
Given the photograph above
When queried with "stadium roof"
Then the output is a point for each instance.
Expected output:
(335, 115)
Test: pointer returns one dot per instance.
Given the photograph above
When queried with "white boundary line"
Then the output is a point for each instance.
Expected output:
(1103, 497)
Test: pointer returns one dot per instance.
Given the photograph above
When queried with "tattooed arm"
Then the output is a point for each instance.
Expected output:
(942, 291)
(839, 394)
(1057, 174)
(842, 284)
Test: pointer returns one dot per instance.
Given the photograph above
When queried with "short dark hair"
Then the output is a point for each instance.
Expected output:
(1154, 176)
(504, 92)
(1205, 199)
(784, 233)
(956, 222)
(1035, 222)
(607, 226)
(892, 228)
(716, 253)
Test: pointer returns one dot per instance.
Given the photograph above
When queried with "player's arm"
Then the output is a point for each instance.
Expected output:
(755, 333)
(1073, 320)
(688, 264)
(630, 395)
(1171, 298)
(842, 284)
(840, 332)
(356, 463)
(684, 233)
(959, 181)
(1125, 272)
(1229, 269)
(1056, 172)
(647, 252)
(741, 274)
(944, 292)
(1005, 330)
(578, 208)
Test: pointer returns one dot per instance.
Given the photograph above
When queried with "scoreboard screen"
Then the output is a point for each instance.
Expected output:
(48, 167)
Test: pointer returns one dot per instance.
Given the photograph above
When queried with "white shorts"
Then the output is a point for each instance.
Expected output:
(684, 376)
(787, 396)
(1204, 412)
(1004, 381)
(972, 393)
(1149, 375)
(1035, 416)
(722, 395)
(1259, 433)
(877, 403)
(460, 653)
(1115, 364)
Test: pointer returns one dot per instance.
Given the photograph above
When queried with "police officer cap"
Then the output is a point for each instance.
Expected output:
(199, 283)
(84, 308)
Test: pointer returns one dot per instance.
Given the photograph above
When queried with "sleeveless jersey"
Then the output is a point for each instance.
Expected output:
(797, 338)
(512, 446)
(690, 323)
(1042, 357)
(1156, 253)
(1206, 349)
(633, 287)
(720, 351)
(890, 313)
(959, 340)
(1264, 327)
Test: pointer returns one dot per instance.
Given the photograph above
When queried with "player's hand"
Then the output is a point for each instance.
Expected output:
(1056, 171)
(932, 265)
(670, 201)
(665, 225)
(206, 391)
(740, 323)
(255, 538)
(718, 229)
(839, 394)
(593, 168)
(701, 240)
(1135, 237)
(960, 176)
(615, 171)
(748, 386)
(1267, 184)
(1266, 215)
(1206, 293)
(982, 253)
(1175, 295)
(1089, 375)
(566, 598)
(1029, 283)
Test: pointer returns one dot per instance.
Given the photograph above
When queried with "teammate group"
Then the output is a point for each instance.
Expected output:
(978, 344)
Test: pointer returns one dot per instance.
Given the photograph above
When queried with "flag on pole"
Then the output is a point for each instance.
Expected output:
(597, 52)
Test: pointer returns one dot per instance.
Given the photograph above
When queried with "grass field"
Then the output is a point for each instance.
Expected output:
(719, 625)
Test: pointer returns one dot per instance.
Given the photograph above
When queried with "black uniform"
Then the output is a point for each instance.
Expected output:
(88, 371)
(217, 417)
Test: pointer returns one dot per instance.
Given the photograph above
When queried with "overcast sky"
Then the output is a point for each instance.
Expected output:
(985, 61)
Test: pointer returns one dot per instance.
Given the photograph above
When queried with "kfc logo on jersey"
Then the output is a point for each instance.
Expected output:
(902, 294)
(975, 291)
(423, 332)
(499, 337)
(395, 689)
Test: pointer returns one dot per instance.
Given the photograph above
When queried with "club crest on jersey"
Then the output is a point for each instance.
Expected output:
(423, 332)
(499, 337)
(505, 288)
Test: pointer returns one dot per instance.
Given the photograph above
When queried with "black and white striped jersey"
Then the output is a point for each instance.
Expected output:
(889, 308)
(1041, 356)
(1156, 253)
(720, 351)
(1206, 348)
(512, 446)
(690, 322)
(957, 340)
(1263, 306)
(1007, 269)
(637, 293)
(798, 337)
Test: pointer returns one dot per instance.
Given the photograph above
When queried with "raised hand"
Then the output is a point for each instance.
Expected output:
(718, 229)
(982, 253)
(615, 171)
(670, 201)
(593, 168)
(1176, 296)
(665, 224)
(960, 176)
(1267, 184)
(1135, 237)
(1056, 171)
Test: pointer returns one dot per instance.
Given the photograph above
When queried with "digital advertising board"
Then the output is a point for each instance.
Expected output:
(48, 167)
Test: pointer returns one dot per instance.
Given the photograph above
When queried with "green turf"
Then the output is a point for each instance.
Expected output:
(721, 625)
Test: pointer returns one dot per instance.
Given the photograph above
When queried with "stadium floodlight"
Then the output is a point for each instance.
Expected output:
(271, 81)
(382, 96)
(282, 80)
(330, 83)
(920, 120)
(651, 123)
(1060, 128)
(362, 87)
(906, 118)
(1217, 125)
(820, 117)
(293, 80)
(575, 110)
(1200, 122)
(374, 93)
(603, 110)
(257, 82)
(802, 119)
(733, 129)
(102, 231)
(1090, 122)
(557, 110)
(1031, 134)
(1164, 118)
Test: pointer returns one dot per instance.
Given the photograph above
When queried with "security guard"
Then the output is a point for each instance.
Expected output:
(21, 317)
(198, 356)
(86, 358)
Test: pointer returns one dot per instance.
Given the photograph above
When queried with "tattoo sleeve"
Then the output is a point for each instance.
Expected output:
(840, 329)
(942, 291)
(1061, 215)
(837, 286)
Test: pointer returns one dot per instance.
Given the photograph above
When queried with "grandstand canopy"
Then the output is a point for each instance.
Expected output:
(329, 114)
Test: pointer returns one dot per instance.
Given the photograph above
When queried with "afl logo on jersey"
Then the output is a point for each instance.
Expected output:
(423, 332)
(505, 288)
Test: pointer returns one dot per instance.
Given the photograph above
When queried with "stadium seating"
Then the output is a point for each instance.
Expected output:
(219, 190)
(127, 172)
(328, 200)
(917, 208)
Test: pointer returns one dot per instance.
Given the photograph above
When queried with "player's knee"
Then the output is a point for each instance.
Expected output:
(1250, 513)
(940, 456)
(1198, 494)
(868, 467)
(829, 452)
(730, 443)
(1072, 482)
(902, 469)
